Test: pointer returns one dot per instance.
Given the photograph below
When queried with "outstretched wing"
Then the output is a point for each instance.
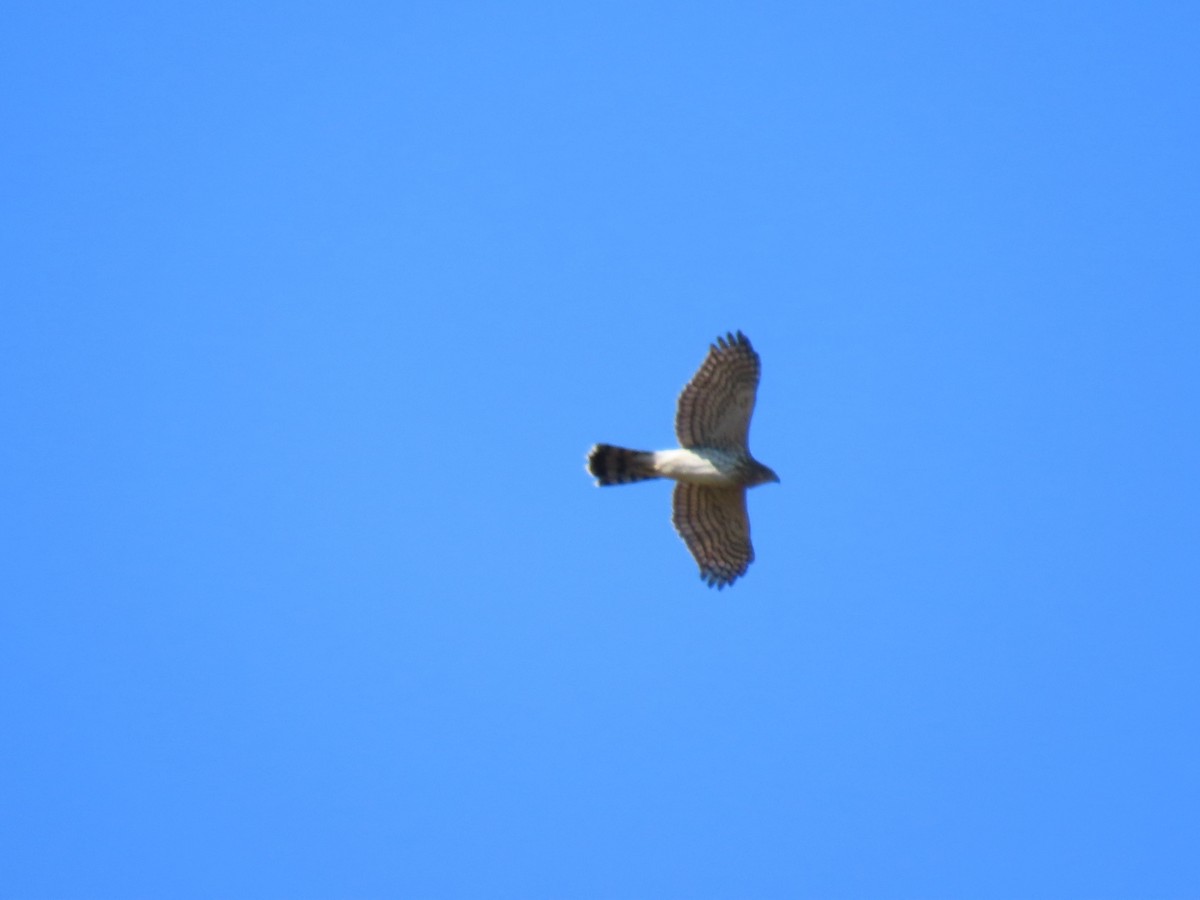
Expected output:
(714, 525)
(715, 407)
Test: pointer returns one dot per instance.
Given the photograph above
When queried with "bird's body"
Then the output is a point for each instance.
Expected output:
(703, 465)
(712, 468)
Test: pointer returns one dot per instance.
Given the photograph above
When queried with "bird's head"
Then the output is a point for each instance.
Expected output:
(764, 475)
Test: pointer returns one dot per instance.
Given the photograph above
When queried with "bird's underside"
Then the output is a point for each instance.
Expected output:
(712, 467)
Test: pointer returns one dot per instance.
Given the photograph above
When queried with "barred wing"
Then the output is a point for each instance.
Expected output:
(714, 525)
(715, 407)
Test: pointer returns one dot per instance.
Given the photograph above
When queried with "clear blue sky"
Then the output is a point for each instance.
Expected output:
(311, 312)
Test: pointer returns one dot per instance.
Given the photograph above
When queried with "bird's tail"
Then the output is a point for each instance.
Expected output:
(616, 465)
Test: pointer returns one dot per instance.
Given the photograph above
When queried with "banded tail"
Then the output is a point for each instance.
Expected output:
(616, 465)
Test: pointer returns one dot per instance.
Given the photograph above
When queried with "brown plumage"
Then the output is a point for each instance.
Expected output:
(712, 467)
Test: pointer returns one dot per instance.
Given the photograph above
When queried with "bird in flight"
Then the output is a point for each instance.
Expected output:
(712, 467)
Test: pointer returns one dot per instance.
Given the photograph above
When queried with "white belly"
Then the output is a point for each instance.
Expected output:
(712, 467)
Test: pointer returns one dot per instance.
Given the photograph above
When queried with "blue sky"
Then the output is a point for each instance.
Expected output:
(312, 312)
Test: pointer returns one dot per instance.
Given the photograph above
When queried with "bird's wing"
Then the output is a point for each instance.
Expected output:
(715, 408)
(714, 525)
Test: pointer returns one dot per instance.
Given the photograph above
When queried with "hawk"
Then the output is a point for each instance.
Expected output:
(712, 467)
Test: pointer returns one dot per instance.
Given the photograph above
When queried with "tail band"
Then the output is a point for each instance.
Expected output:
(616, 465)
